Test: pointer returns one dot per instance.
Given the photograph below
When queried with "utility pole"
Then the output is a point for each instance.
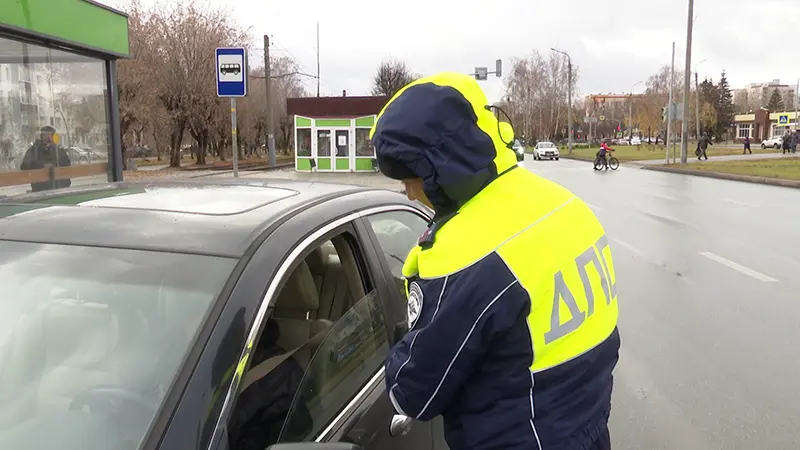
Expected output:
(630, 111)
(697, 102)
(686, 85)
(270, 125)
(569, 111)
(669, 105)
(317, 58)
(796, 121)
(697, 96)
(569, 97)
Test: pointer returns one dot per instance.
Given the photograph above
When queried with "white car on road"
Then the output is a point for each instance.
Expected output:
(636, 141)
(774, 141)
(545, 150)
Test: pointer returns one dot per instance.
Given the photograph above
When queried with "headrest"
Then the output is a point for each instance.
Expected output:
(300, 292)
(316, 260)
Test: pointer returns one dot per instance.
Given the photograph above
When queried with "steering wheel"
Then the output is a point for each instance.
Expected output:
(111, 399)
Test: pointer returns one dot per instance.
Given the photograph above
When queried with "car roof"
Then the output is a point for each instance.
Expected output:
(220, 217)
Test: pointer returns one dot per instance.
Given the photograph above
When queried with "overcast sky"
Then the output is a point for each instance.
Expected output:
(615, 43)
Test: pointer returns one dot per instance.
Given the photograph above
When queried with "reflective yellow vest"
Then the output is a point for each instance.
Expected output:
(554, 245)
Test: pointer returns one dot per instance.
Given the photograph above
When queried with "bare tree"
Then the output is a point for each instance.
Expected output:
(167, 91)
(136, 77)
(536, 92)
(391, 76)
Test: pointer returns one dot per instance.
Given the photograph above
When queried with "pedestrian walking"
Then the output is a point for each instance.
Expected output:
(702, 146)
(747, 145)
(787, 142)
(795, 140)
(501, 341)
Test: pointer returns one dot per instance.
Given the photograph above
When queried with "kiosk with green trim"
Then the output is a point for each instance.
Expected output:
(57, 71)
(331, 134)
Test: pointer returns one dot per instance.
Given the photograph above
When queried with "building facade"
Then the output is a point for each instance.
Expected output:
(763, 124)
(332, 133)
(55, 71)
(757, 95)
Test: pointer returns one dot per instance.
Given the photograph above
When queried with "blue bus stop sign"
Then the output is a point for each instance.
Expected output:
(231, 72)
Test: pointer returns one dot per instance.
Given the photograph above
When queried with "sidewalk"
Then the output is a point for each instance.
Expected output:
(370, 179)
(693, 159)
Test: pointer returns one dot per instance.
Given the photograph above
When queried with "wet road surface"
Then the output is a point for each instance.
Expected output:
(707, 273)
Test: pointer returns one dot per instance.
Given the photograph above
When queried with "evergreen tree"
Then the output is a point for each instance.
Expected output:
(724, 106)
(710, 99)
(776, 102)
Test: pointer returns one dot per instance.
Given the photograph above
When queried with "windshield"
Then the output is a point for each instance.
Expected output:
(91, 339)
(546, 145)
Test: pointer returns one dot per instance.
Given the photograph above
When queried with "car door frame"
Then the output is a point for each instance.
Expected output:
(436, 425)
(282, 268)
(391, 302)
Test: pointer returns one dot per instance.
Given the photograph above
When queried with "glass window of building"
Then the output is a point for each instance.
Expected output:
(54, 121)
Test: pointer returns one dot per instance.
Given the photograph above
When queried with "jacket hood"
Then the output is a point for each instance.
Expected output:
(440, 129)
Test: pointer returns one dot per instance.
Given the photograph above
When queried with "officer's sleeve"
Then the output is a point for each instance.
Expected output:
(458, 319)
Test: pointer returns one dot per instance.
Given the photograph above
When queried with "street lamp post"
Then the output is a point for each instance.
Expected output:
(569, 97)
(630, 111)
(697, 97)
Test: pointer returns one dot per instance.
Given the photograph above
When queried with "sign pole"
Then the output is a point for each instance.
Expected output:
(669, 105)
(234, 139)
(232, 73)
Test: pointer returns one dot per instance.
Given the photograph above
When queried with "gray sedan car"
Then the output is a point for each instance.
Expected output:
(224, 315)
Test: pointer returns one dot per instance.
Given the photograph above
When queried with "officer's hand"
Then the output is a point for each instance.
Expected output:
(400, 330)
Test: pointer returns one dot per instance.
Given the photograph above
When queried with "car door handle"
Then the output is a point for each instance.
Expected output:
(400, 426)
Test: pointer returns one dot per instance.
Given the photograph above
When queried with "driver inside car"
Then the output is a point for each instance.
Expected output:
(262, 408)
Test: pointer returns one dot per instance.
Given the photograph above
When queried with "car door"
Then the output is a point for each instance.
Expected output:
(395, 231)
(343, 395)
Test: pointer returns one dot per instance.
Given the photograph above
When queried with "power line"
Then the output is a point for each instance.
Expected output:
(275, 42)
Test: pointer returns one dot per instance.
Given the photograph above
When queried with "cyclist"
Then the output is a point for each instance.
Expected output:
(603, 153)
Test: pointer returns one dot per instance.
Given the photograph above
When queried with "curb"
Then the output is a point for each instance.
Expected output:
(246, 169)
(243, 167)
(575, 158)
(728, 176)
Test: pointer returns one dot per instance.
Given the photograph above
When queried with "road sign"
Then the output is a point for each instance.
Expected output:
(231, 72)
(481, 73)
(783, 119)
(602, 118)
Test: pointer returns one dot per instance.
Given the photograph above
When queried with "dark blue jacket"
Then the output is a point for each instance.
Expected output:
(469, 352)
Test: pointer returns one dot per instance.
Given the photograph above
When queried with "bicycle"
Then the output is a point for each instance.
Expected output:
(599, 164)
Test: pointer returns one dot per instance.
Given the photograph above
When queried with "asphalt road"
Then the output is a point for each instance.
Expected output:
(707, 274)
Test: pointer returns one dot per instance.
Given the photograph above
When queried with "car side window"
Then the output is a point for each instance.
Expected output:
(398, 232)
(324, 337)
(351, 353)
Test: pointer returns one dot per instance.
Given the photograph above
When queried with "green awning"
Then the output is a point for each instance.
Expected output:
(76, 24)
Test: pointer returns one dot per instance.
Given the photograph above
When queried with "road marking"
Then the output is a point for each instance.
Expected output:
(628, 246)
(665, 197)
(738, 202)
(666, 218)
(757, 275)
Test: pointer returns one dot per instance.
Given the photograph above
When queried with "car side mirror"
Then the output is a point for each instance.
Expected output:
(315, 446)
(400, 330)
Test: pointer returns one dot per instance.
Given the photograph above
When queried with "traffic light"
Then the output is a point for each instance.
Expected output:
(664, 114)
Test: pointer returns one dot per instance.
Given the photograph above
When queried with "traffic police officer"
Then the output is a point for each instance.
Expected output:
(512, 295)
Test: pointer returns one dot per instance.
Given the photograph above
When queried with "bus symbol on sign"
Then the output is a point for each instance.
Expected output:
(225, 69)
(784, 119)
(231, 74)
